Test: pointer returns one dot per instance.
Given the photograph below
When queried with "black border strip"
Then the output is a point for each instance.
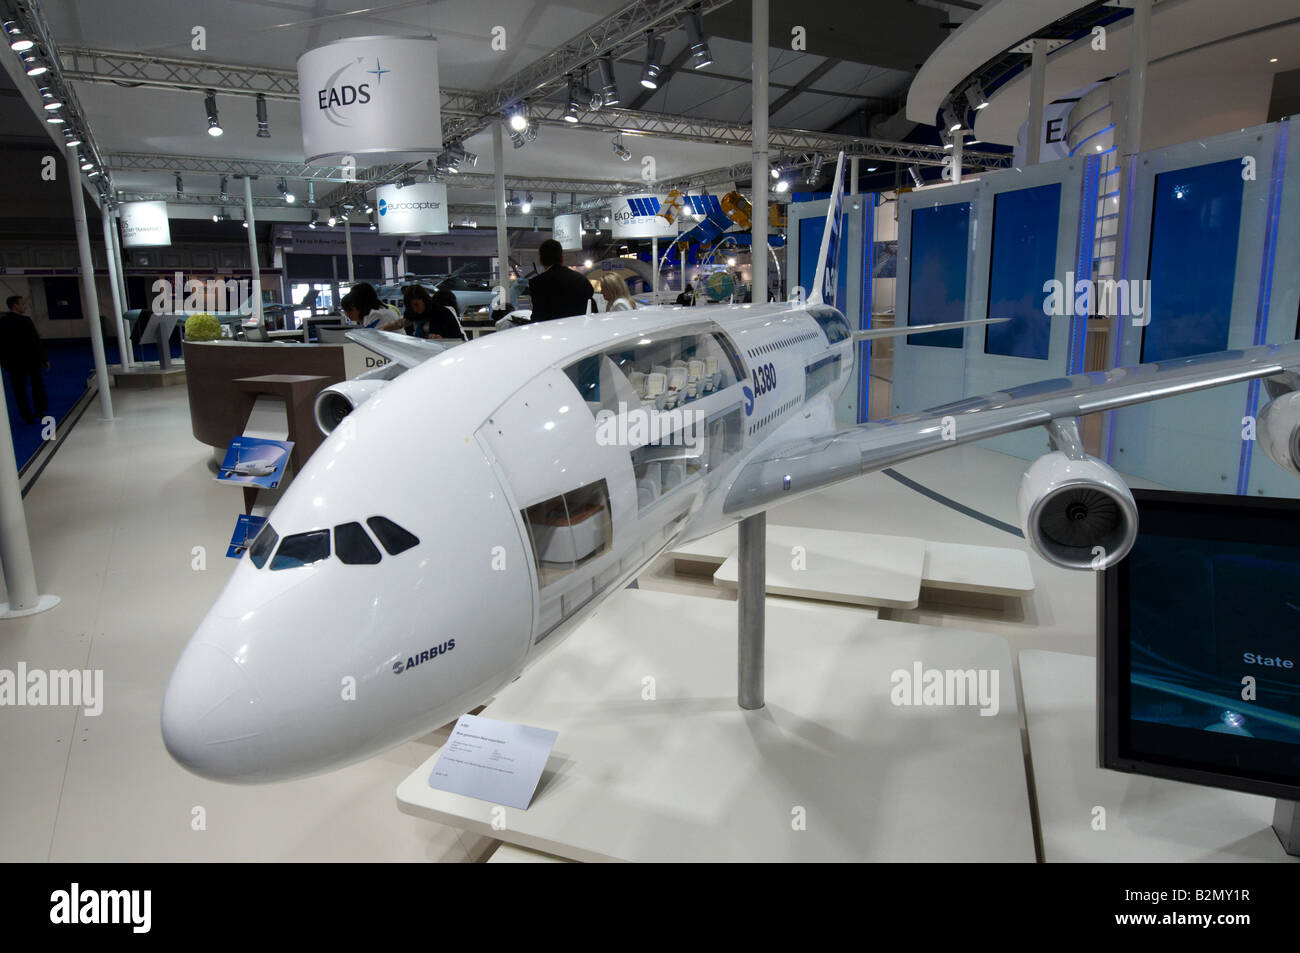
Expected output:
(61, 429)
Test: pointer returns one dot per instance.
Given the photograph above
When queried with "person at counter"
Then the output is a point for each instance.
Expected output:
(687, 298)
(617, 297)
(433, 315)
(362, 307)
(558, 292)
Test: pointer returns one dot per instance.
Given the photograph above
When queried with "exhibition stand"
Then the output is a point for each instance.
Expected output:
(655, 761)
(1145, 819)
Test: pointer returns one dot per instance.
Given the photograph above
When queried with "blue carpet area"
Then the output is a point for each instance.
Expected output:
(71, 364)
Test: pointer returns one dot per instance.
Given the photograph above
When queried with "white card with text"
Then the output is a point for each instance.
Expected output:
(492, 760)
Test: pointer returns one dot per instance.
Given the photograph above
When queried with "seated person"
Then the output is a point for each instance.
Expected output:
(363, 308)
(433, 315)
(616, 295)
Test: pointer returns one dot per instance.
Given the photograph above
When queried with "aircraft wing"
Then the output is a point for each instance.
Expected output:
(872, 334)
(800, 466)
(399, 348)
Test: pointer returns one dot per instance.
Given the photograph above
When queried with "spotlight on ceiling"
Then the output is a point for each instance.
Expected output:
(654, 57)
(263, 125)
(945, 137)
(531, 132)
(373, 226)
(975, 96)
(315, 217)
(815, 172)
(245, 221)
(571, 110)
(73, 139)
(34, 66)
(700, 55)
(950, 120)
(17, 42)
(180, 187)
(334, 216)
(285, 194)
(222, 194)
(517, 117)
(914, 171)
(517, 138)
(528, 204)
(782, 185)
(210, 105)
(56, 120)
(86, 164)
(620, 150)
(608, 85)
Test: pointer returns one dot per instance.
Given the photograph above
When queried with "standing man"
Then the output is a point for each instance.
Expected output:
(558, 292)
(22, 355)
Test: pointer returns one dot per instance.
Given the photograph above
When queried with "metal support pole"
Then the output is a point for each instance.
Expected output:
(758, 250)
(347, 244)
(1037, 78)
(853, 174)
(958, 140)
(499, 174)
(753, 594)
(1139, 50)
(121, 278)
(252, 249)
(123, 332)
(1286, 825)
(15, 545)
(654, 265)
(89, 299)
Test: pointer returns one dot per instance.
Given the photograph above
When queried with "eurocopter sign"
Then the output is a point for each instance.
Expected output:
(370, 95)
(419, 209)
(145, 225)
(637, 216)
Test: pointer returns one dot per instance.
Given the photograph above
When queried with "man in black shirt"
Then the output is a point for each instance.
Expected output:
(558, 292)
(22, 355)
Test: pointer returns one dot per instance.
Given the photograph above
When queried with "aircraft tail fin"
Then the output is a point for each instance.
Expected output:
(823, 286)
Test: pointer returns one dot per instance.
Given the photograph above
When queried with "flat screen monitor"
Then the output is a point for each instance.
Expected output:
(1200, 646)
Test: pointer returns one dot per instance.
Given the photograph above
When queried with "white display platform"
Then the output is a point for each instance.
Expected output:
(1147, 819)
(689, 776)
(509, 854)
(867, 568)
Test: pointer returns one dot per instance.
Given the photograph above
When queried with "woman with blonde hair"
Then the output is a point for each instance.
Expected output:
(617, 297)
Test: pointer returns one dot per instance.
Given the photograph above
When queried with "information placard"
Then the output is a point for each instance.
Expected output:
(495, 761)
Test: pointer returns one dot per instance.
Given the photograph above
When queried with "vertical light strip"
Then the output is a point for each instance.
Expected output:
(1265, 290)
(868, 281)
(1083, 260)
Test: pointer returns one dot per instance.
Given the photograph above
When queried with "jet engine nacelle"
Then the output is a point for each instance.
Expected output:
(1278, 430)
(338, 400)
(1077, 513)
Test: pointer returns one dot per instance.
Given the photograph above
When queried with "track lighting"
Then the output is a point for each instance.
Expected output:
(17, 42)
(608, 85)
(654, 57)
(518, 139)
(517, 117)
(72, 138)
(180, 187)
(210, 104)
(34, 66)
(86, 164)
(263, 126)
(373, 226)
(700, 54)
(914, 171)
(285, 193)
(528, 204)
(782, 185)
(975, 96)
(334, 218)
(815, 172)
(950, 120)
(571, 110)
(945, 137)
(620, 150)
(531, 132)
(223, 195)
(56, 120)
(315, 217)
(245, 222)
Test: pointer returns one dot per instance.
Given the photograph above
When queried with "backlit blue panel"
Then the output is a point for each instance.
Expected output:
(1023, 258)
(811, 228)
(936, 289)
(1193, 260)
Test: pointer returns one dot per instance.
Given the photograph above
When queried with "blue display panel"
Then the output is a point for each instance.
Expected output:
(811, 229)
(1195, 221)
(936, 283)
(1021, 261)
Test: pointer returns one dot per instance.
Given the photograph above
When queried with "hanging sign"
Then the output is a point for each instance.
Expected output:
(145, 225)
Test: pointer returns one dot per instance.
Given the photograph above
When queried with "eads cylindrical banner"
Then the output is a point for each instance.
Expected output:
(371, 96)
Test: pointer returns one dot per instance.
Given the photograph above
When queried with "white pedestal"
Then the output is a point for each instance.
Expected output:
(1147, 819)
(867, 568)
(689, 776)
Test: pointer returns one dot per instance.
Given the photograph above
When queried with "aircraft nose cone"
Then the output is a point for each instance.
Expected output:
(212, 717)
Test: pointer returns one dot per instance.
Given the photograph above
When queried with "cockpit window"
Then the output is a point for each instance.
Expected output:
(832, 324)
(302, 549)
(353, 546)
(394, 538)
(263, 545)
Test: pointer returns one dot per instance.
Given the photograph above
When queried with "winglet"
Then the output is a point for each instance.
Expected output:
(823, 286)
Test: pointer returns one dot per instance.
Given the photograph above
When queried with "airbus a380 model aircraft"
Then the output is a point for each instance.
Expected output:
(542, 468)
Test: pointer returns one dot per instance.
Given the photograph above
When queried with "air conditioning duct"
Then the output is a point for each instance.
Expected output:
(338, 400)
(1077, 512)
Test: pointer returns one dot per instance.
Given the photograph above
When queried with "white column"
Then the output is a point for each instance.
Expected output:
(252, 248)
(958, 140)
(347, 242)
(853, 175)
(758, 250)
(654, 264)
(1037, 76)
(1139, 47)
(499, 173)
(123, 335)
(121, 277)
(15, 545)
(89, 299)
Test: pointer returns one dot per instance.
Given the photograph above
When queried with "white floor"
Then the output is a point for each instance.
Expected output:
(115, 520)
